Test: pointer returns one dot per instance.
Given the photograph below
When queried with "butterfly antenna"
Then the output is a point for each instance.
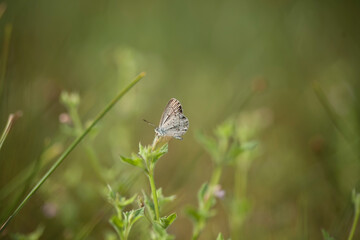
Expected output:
(149, 123)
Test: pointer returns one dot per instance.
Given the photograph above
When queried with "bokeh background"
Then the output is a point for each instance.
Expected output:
(297, 60)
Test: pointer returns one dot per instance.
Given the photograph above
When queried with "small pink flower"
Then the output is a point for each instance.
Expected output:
(218, 192)
(64, 118)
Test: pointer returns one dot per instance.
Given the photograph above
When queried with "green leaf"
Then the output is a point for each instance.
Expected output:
(158, 153)
(162, 199)
(134, 215)
(118, 201)
(137, 162)
(141, 149)
(326, 235)
(234, 151)
(226, 129)
(123, 202)
(202, 192)
(167, 221)
(149, 204)
(159, 233)
(117, 223)
(111, 193)
(193, 213)
(220, 237)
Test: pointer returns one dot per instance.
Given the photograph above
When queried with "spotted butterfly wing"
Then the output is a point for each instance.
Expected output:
(173, 122)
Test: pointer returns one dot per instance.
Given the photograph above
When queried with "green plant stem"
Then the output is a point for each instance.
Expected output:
(154, 194)
(79, 128)
(71, 148)
(354, 224)
(214, 180)
(240, 186)
(94, 161)
(241, 176)
(76, 120)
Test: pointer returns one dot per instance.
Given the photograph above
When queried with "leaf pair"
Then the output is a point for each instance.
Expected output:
(123, 221)
(146, 156)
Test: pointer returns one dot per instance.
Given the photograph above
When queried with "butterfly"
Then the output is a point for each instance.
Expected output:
(173, 122)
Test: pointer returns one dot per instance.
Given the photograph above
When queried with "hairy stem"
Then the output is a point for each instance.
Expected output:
(154, 194)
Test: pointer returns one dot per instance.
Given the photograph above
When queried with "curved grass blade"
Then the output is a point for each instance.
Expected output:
(10, 122)
(71, 148)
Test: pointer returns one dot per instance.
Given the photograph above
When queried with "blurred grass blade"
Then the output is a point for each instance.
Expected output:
(72, 147)
(10, 122)
(335, 119)
(5, 54)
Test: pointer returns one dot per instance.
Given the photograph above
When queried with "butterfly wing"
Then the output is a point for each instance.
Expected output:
(176, 126)
(171, 108)
(173, 122)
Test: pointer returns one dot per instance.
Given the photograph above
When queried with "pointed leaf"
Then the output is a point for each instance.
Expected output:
(234, 151)
(137, 162)
(220, 237)
(111, 193)
(326, 235)
(202, 192)
(117, 223)
(149, 205)
(159, 233)
(158, 153)
(193, 213)
(162, 199)
(134, 215)
(123, 202)
(166, 221)
(226, 129)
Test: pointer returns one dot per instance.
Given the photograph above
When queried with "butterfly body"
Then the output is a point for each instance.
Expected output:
(173, 122)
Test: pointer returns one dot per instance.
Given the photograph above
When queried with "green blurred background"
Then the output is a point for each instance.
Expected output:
(210, 55)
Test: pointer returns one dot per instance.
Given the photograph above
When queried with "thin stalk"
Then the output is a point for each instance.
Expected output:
(76, 120)
(354, 224)
(154, 194)
(334, 118)
(240, 185)
(10, 122)
(197, 231)
(71, 148)
(94, 161)
(215, 178)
